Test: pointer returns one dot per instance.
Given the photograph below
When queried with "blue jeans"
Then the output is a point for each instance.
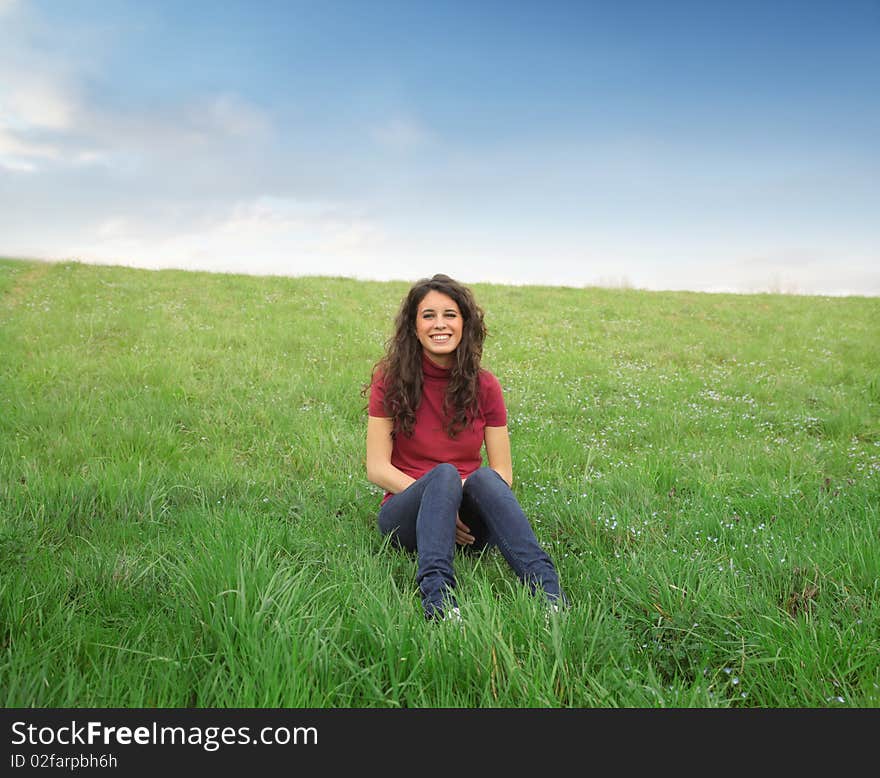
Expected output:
(422, 519)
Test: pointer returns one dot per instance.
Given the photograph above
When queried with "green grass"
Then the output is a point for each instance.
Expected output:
(185, 519)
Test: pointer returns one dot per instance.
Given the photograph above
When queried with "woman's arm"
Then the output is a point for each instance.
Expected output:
(498, 452)
(380, 471)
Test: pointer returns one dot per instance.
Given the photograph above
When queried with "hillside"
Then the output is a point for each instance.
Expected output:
(185, 520)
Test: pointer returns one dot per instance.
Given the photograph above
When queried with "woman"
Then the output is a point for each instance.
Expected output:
(431, 410)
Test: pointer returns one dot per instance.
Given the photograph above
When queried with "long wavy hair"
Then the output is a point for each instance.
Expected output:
(401, 366)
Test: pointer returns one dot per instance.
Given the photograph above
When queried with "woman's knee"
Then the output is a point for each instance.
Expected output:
(484, 478)
(446, 473)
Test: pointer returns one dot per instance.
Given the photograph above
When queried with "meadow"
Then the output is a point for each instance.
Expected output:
(185, 519)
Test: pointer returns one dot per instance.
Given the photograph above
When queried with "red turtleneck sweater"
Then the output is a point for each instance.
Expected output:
(429, 445)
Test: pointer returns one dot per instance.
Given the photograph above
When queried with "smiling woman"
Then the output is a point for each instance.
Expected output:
(432, 409)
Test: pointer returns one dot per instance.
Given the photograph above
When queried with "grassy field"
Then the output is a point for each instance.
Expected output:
(185, 519)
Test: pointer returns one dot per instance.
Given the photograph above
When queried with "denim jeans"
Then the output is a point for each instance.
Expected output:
(422, 519)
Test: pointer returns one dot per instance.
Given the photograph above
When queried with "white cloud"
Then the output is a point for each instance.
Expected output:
(262, 236)
(12, 145)
(230, 115)
(41, 102)
(49, 109)
(17, 165)
(21, 155)
(400, 134)
(41, 120)
(91, 157)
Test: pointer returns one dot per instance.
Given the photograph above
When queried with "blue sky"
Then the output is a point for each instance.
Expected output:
(661, 145)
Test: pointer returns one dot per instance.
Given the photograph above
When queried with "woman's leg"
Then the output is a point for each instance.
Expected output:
(421, 518)
(494, 515)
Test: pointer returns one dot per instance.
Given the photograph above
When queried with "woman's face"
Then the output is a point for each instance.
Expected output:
(439, 326)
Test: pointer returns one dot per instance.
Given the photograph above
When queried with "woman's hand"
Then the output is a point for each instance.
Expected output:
(462, 533)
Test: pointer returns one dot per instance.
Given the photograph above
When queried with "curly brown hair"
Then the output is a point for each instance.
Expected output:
(401, 366)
